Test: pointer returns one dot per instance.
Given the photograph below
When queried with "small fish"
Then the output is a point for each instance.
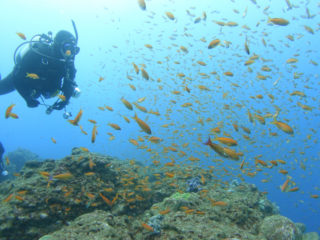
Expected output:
(8, 111)
(19, 198)
(92, 121)
(144, 126)
(227, 141)
(136, 69)
(62, 97)
(84, 149)
(142, 4)
(294, 189)
(32, 75)
(283, 126)
(147, 227)
(21, 35)
(126, 103)
(170, 15)
(213, 43)
(279, 21)
(53, 140)
(8, 198)
(77, 118)
(219, 203)
(91, 164)
(246, 47)
(229, 74)
(148, 46)
(144, 73)
(89, 173)
(94, 133)
(106, 199)
(44, 174)
(155, 139)
(217, 148)
(114, 126)
(141, 108)
(63, 176)
(284, 186)
(14, 116)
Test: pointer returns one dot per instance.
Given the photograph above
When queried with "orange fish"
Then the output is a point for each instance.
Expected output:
(8, 198)
(214, 43)
(89, 174)
(21, 35)
(283, 126)
(217, 148)
(63, 176)
(94, 133)
(219, 203)
(294, 189)
(19, 198)
(170, 15)
(145, 127)
(126, 103)
(147, 227)
(106, 199)
(227, 141)
(44, 174)
(279, 21)
(62, 97)
(142, 4)
(114, 126)
(14, 116)
(77, 118)
(231, 153)
(136, 69)
(32, 75)
(8, 111)
(84, 149)
(144, 73)
(284, 186)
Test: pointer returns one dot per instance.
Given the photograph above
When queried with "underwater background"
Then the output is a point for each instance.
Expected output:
(113, 35)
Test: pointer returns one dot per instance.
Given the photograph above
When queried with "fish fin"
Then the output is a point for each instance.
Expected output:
(208, 142)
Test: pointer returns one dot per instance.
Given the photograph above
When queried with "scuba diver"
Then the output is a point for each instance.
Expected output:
(44, 68)
(2, 171)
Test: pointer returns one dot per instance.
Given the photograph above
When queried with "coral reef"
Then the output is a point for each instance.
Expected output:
(91, 196)
(17, 160)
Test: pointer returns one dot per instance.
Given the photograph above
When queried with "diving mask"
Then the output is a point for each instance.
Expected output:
(69, 48)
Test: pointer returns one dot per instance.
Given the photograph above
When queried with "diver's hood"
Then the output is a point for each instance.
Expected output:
(65, 44)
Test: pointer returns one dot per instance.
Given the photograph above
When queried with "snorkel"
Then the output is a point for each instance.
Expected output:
(68, 48)
(75, 31)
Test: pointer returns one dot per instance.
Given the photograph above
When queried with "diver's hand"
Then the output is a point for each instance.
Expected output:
(59, 105)
(33, 103)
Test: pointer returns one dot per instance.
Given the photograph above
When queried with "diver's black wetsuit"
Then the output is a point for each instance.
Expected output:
(54, 74)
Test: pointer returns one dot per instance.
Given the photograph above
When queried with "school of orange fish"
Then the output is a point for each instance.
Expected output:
(216, 109)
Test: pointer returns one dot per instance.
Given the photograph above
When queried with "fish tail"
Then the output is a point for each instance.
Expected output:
(208, 142)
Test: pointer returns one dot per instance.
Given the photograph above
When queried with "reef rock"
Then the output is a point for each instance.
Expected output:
(96, 225)
(278, 227)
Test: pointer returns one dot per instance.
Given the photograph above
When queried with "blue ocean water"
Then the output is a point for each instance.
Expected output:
(113, 34)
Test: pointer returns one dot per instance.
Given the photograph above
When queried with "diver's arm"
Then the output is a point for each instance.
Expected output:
(68, 87)
(6, 84)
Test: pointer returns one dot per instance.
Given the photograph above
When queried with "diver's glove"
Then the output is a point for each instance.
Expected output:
(33, 103)
(59, 105)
